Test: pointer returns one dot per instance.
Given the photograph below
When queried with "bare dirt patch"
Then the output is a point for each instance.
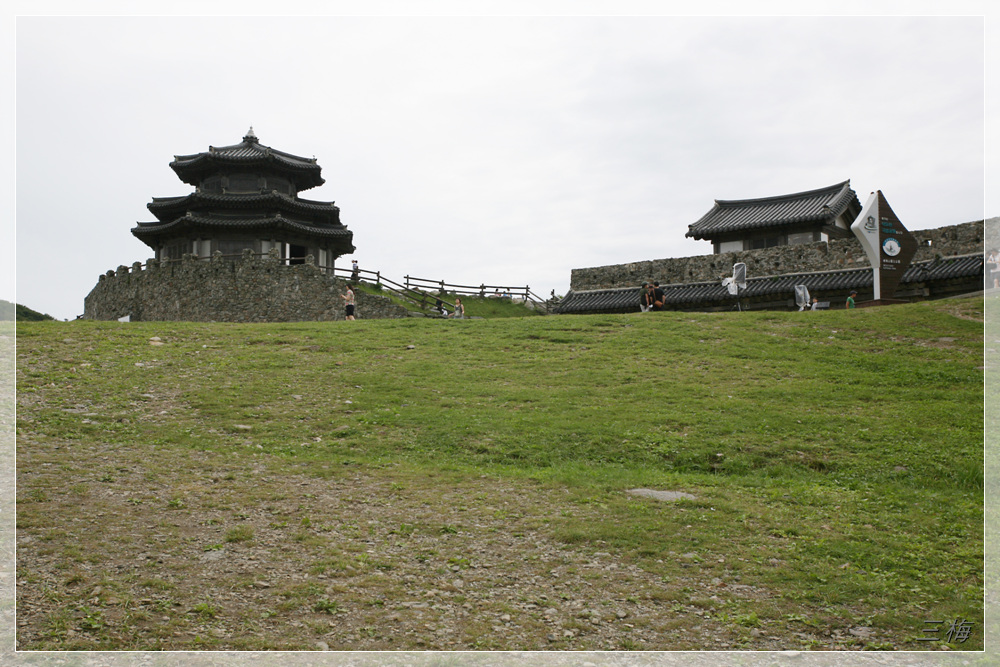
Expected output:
(127, 547)
(964, 309)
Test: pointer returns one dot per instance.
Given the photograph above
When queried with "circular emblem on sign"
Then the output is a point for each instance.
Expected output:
(891, 247)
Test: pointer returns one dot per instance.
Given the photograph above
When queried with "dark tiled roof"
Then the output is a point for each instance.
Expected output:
(621, 299)
(249, 153)
(151, 230)
(687, 294)
(167, 208)
(823, 206)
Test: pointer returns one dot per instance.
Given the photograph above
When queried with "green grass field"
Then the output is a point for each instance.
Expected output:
(836, 458)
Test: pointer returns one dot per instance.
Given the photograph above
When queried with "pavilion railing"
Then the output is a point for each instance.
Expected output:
(482, 290)
(423, 300)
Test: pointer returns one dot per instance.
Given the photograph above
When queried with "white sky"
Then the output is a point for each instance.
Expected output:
(488, 149)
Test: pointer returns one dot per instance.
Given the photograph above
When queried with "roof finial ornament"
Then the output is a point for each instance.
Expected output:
(251, 137)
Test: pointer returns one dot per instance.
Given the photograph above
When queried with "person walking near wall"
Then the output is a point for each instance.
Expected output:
(348, 298)
(850, 299)
(644, 297)
(656, 297)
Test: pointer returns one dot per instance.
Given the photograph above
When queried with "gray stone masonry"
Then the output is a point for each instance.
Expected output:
(992, 234)
(219, 290)
(963, 239)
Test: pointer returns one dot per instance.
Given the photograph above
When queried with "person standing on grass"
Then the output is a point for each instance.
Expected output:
(644, 298)
(348, 298)
(656, 297)
(459, 313)
(850, 299)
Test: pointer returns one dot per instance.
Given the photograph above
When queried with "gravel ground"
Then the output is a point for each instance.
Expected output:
(356, 561)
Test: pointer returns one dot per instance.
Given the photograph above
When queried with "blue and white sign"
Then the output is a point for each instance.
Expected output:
(891, 247)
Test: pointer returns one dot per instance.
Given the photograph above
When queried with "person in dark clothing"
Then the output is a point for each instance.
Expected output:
(644, 297)
(656, 298)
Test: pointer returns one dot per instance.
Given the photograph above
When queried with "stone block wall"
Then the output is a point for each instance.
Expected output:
(218, 290)
(963, 239)
(992, 233)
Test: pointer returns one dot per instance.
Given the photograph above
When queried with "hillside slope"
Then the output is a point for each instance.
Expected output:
(421, 484)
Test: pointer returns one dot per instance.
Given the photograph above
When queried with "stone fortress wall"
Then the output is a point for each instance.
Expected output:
(992, 234)
(963, 239)
(249, 289)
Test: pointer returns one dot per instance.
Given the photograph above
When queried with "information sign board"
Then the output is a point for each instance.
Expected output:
(889, 246)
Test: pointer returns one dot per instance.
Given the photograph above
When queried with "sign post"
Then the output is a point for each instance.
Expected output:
(889, 247)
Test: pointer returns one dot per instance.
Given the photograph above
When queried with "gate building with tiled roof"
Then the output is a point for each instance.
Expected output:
(796, 240)
(802, 217)
(246, 198)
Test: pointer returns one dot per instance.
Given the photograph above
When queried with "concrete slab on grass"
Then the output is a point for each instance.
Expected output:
(661, 495)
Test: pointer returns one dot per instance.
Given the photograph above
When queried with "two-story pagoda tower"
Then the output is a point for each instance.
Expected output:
(246, 197)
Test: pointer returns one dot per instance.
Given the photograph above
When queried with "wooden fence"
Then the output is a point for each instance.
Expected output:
(418, 291)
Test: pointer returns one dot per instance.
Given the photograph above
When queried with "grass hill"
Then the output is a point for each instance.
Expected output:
(426, 484)
(9, 311)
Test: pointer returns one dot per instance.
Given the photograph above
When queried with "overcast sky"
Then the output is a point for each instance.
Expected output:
(489, 149)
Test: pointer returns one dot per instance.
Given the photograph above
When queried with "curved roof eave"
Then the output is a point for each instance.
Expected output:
(305, 176)
(247, 153)
(707, 234)
(149, 229)
(165, 204)
(836, 188)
